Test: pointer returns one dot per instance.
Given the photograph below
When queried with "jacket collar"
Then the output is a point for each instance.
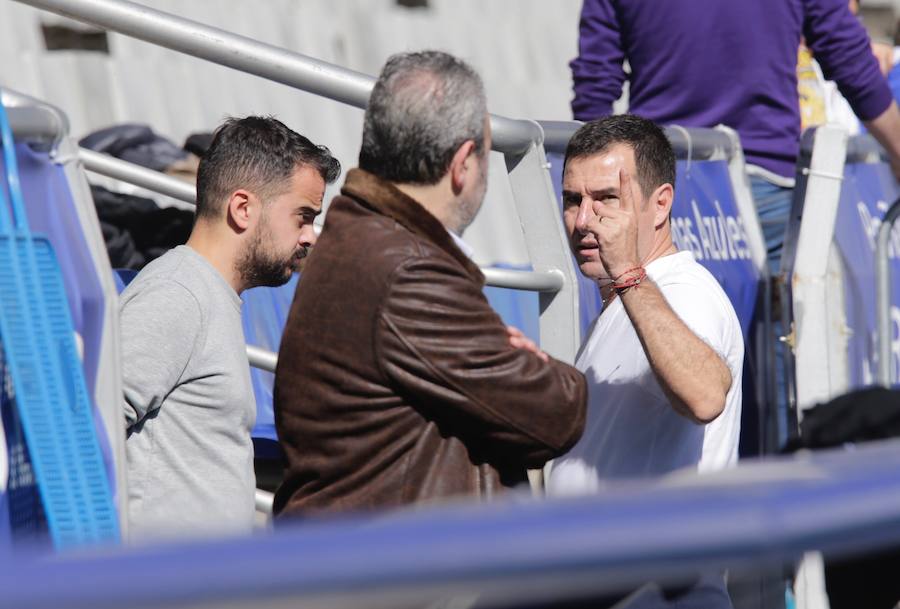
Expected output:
(387, 199)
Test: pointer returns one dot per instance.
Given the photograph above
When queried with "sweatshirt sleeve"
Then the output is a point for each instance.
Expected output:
(841, 46)
(597, 72)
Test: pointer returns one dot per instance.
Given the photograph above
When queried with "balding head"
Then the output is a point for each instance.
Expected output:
(423, 107)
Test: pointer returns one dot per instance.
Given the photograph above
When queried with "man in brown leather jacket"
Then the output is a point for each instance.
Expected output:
(397, 383)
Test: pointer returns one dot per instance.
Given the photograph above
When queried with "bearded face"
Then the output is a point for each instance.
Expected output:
(285, 232)
(263, 263)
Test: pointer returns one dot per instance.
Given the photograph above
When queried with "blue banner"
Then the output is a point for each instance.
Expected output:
(706, 222)
(866, 193)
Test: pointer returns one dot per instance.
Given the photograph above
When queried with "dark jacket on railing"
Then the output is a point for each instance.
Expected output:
(396, 383)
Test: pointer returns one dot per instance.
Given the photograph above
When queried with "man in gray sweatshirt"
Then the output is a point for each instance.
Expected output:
(189, 404)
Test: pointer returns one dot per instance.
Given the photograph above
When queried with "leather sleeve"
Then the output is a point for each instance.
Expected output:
(440, 344)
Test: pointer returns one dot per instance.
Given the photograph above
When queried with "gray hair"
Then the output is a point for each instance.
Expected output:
(424, 106)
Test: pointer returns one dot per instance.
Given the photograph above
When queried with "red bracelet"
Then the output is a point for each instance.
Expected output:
(637, 268)
(631, 282)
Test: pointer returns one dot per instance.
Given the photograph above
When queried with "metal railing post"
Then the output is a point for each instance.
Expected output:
(883, 294)
(820, 354)
(548, 250)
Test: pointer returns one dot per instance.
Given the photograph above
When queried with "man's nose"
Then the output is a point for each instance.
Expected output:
(585, 215)
(308, 236)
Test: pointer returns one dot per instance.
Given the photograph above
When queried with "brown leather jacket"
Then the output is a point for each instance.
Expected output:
(396, 382)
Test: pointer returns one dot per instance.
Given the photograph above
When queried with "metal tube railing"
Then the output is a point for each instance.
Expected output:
(703, 144)
(519, 140)
(33, 124)
(533, 281)
(261, 358)
(862, 148)
(139, 176)
(36, 125)
(34, 120)
(883, 293)
(247, 55)
(264, 501)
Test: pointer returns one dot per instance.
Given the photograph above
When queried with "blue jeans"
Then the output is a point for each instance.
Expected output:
(773, 205)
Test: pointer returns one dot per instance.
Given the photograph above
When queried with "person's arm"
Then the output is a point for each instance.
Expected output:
(160, 326)
(442, 346)
(842, 48)
(693, 376)
(886, 129)
(597, 72)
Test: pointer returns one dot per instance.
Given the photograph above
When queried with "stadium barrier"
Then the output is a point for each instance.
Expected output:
(884, 251)
(755, 517)
(59, 206)
(832, 261)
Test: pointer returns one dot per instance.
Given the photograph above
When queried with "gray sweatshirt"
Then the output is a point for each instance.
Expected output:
(189, 404)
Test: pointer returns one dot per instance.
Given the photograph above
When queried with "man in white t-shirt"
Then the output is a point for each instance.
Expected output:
(663, 360)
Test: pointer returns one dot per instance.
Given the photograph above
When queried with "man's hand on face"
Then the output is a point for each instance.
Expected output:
(519, 341)
(616, 230)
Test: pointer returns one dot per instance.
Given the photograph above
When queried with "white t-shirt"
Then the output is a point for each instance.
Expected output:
(632, 431)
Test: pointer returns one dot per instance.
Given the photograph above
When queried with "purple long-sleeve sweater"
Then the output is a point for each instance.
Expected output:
(704, 62)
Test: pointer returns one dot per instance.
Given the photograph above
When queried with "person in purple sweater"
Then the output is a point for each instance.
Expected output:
(699, 63)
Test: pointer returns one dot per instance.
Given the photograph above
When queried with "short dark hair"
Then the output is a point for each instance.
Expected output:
(423, 107)
(654, 158)
(259, 153)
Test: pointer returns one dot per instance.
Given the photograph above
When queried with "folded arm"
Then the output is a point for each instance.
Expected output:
(440, 342)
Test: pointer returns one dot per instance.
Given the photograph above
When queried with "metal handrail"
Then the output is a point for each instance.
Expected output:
(861, 148)
(262, 358)
(704, 143)
(883, 293)
(521, 141)
(38, 121)
(36, 125)
(264, 500)
(137, 175)
(533, 281)
(509, 136)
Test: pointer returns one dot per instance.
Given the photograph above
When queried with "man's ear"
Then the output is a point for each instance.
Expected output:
(461, 165)
(662, 202)
(239, 210)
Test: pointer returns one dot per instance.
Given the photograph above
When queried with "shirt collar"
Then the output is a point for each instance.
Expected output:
(462, 245)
